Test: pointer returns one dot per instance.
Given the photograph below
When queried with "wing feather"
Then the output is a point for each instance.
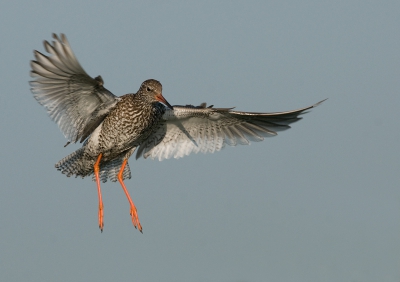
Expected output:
(77, 102)
(189, 129)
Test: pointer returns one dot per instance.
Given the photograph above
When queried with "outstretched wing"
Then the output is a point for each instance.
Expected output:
(189, 129)
(74, 100)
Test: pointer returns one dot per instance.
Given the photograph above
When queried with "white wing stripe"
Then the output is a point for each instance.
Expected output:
(189, 129)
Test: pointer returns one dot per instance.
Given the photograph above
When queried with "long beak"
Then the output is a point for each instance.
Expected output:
(161, 99)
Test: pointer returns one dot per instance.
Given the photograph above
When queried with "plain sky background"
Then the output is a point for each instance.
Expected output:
(319, 202)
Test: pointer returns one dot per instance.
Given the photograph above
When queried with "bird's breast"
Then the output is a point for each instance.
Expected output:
(127, 124)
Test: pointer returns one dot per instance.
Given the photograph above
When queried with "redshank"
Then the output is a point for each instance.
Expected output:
(112, 128)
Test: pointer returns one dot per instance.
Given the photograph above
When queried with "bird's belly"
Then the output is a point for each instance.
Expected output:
(111, 141)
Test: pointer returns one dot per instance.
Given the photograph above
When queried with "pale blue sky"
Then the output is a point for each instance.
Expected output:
(320, 202)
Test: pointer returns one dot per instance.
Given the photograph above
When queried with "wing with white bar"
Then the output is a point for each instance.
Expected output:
(189, 129)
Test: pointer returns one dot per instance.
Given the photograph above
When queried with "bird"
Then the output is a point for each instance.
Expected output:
(112, 128)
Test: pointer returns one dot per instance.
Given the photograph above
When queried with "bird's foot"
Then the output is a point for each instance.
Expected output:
(101, 224)
(135, 219)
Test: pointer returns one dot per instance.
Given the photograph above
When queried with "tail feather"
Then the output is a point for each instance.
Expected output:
(80, 164)
(111, 169)
(76, 164)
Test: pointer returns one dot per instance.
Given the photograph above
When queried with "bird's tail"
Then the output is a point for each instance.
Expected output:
(76, 164)
(110, 170)
(80, 164)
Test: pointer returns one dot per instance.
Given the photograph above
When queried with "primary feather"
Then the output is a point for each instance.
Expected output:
(188, 129)
(74, 100)
(79, 104)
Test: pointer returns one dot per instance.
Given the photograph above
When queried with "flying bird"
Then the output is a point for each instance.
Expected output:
(112, 128)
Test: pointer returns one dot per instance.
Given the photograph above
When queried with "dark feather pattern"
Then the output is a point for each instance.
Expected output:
(87, 112)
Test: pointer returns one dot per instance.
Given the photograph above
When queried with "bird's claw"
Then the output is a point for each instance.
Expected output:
(135, 219)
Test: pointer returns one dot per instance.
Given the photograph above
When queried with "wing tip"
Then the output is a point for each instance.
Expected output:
(319, 103)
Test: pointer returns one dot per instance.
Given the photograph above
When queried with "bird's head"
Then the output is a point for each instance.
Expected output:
(152, 89)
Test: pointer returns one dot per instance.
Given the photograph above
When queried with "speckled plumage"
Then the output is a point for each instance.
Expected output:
(127, 124)
(112, 127)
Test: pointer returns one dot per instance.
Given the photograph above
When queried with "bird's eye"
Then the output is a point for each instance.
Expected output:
(148, 88)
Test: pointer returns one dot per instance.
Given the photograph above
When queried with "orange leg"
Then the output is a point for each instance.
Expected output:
(96, 169)
(133, 213)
